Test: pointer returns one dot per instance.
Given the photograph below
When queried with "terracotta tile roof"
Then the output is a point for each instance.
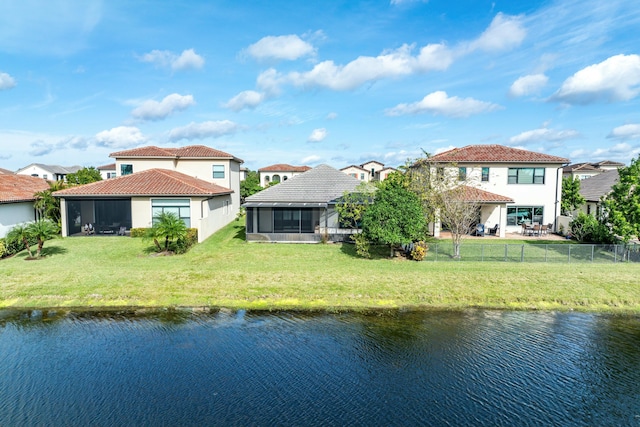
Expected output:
(20, 188)
(581, 167)
(152, 182)
(283, 167)
(110, 166)
(473, 194)
(6, 171)
(372, 161)
(190, 151)
(494, 153)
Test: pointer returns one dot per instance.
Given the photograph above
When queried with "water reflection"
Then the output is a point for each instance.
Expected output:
(221, 367)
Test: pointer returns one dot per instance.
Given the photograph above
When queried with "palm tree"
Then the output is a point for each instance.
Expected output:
(41, 230)
(20, 234)
(47, 205)
(167, 225)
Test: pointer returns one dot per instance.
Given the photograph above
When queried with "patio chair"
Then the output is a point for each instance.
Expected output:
(493, 231)
(544, 229)
(536, 230)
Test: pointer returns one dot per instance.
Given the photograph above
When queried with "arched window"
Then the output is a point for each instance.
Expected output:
(266, 179)
(284, 178)
(276, 178)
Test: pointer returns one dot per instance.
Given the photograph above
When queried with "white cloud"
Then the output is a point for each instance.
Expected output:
(188, 59)
(311, 159)
(212, 129)
(630, 131)
(40, 148)
(6, 81)
(395, 63)
(120, 137)
(615, 79)
(245, 99)
(543, 134)
(288, 47)
(154, 110)
(528, 85)
(440, 103)
(332, 116)
(505, 32)
(317, 135)
(622, 152)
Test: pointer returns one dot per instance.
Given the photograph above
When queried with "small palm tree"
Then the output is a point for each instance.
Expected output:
(20, 234)
(169, 227)
(41, 230)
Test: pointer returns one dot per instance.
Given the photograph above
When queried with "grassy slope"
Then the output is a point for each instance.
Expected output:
(226, 271)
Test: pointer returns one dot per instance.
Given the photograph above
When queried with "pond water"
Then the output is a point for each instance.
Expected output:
(441, 368)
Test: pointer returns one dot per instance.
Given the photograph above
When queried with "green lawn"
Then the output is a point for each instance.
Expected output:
(224, 271)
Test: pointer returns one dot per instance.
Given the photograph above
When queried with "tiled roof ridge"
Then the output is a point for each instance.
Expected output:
(495, 153)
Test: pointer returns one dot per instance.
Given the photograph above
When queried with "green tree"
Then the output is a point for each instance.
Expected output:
(169, 227)
(47, 205)
(447, 195)
(353, 204)
(19, 234)
(250, 185)
(395, 217)
(622, 204)
(571, 197)
(84, 176)
(42, 230)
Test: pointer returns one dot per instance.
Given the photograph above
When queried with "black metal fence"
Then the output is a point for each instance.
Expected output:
(553, 253)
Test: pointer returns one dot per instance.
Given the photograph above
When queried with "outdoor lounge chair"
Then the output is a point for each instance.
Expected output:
(493, 231)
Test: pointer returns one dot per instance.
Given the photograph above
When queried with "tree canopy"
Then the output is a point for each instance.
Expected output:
(571, 197)
(396, 216)
(250, 185)
(622, 204)
(84, 176)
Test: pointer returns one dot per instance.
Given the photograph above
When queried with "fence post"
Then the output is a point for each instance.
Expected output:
(569, 260)
(592, 249)
(482, 252)
(522, 254)
(506, 249)
(546, 248)
(437, 244)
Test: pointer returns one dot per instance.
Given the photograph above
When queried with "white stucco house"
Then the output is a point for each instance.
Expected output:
(198, 183)
(369, 171)
(278, 173)
(17, 198)
(48, 172)
(107, 171)
(518, 186)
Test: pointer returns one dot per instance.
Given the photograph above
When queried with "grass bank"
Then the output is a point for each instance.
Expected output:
(224, 271)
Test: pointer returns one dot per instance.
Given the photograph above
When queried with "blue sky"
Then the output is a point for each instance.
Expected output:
(306, 83)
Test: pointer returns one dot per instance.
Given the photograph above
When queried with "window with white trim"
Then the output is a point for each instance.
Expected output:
(180, 207)
(526, 176)
(218, 171)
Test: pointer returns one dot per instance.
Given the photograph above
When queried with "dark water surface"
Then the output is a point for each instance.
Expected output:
(182, 368)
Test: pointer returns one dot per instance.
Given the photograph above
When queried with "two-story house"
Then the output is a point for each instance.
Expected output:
(587, 170)
(519, 186)
(369, 171)
(198, 183)
(48, 172)
(274, 174)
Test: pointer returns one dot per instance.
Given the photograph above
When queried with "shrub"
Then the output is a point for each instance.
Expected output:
(362, 245)
(138, 232)
(586, 228)
(419, 251)
(2, 248)
(181, 246)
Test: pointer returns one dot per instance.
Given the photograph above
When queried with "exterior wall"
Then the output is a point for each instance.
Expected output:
(207, 215)
(12, 214)
(215, 214)
(357, 173)
(198, 168)
(546, 195)
(372, 165)
(581, 174)
(269, 174)
(107, 173)
(34, 170)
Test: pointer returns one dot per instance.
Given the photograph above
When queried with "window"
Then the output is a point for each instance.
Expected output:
(517, 215)
(462, 173)
(218, 171)
(276, 178)
(361, 176)
(284, 178)
(266, 179)
(126, 169)
(45, 176)
(526, 176)
(485, 174)
(180, 207)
